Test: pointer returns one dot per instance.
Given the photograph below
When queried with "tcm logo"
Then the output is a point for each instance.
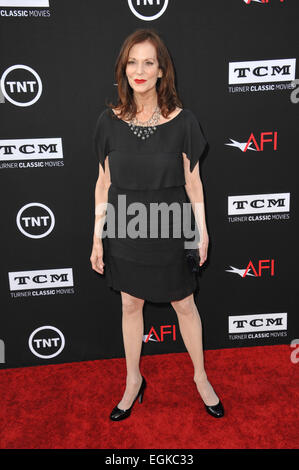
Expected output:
(30, 149)
(21, 85)
(260, 71)
(24, 3)
(165, 330)
(258, 203)
(40, 279)
(148, 10)
(46, 342)
(256, 143)
(262, 322)
(256, 271)
(260, 1)
(35, 220)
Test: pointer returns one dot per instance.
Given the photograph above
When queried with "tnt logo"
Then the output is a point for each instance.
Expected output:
(35, 220)
(46, 342)
(148, 10)
(21, 85)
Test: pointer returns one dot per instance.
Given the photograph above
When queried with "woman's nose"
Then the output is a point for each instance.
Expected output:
(139, 68)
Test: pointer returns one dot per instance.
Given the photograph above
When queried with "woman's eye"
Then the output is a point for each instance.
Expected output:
(132, 62)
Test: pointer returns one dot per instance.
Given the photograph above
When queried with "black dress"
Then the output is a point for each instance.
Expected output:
(147, 171)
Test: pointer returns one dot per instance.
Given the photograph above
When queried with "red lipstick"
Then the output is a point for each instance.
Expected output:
(139, 81)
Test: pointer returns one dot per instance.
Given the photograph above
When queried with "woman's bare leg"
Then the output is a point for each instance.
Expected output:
(191, 331)
(132, 327)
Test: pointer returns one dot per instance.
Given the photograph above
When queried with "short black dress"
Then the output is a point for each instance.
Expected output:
(148, 171)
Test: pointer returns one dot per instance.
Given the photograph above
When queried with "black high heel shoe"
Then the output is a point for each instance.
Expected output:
(117, 414)
(215, 410)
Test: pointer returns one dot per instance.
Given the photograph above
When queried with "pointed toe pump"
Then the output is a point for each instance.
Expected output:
(117, 414)
(215, 410)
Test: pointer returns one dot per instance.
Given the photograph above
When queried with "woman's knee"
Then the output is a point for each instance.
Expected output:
(184, 306)
(130, 303)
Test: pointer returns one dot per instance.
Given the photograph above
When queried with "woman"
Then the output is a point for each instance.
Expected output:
(156, 162)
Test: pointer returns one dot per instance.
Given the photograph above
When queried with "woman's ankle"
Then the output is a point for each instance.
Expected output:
(134, 378)
(200, 376)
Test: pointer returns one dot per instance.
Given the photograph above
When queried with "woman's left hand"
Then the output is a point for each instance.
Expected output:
(203, 249)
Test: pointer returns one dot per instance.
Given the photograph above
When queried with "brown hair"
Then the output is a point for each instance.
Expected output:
(165, 86)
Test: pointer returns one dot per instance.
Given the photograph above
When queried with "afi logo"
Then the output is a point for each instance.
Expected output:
(164, 330)
(256, 144)
(259, 1)
(257, 272)
(269, 264)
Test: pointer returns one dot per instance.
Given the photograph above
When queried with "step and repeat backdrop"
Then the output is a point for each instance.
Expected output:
(236, 67)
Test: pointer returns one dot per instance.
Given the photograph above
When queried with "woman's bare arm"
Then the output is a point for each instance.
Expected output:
(101, 199)
(194, 190)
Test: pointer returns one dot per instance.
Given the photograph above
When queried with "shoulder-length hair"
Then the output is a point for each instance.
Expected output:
(167, 95)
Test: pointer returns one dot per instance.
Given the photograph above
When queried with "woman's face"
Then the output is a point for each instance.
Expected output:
(143, 65)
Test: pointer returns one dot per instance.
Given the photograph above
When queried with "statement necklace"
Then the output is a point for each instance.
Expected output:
(144, 130)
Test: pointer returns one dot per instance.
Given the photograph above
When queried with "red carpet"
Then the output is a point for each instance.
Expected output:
(67, 406)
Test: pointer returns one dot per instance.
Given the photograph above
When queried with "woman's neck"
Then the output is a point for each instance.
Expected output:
(146, 104)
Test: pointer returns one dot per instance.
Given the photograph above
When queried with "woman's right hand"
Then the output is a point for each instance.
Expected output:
(96, 257)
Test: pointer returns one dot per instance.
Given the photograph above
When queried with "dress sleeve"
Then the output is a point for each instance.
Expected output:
(100, 139)
(194, 141)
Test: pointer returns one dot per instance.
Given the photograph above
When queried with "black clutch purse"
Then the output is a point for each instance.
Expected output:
(192, 256)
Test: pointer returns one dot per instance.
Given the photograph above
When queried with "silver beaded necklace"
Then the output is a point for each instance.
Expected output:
(144, 130)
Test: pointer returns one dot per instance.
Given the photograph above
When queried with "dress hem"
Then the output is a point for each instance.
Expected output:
(185, 293)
